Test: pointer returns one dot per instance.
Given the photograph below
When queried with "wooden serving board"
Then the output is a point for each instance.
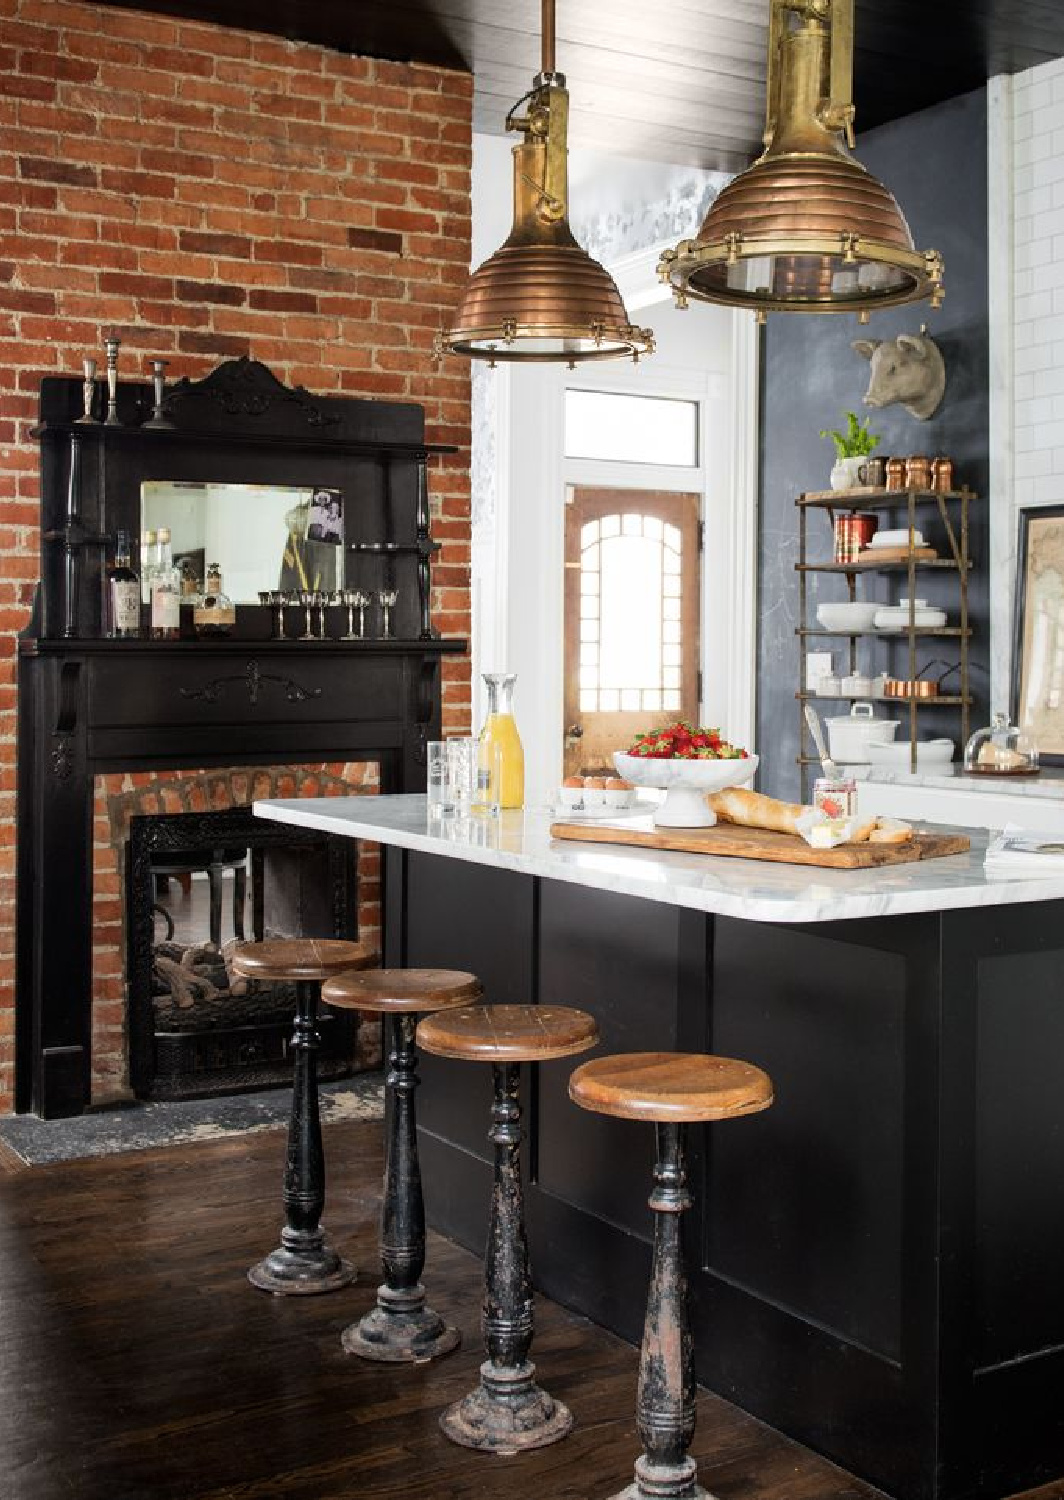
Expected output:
(761, 843)
(896, 554)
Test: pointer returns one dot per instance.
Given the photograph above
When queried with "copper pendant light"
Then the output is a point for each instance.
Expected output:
(805, 228)
(540, 296)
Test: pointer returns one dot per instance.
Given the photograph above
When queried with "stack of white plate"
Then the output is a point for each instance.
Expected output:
(897, 538)
(896, 616)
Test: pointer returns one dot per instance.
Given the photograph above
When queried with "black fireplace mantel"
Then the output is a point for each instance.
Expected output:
(88, 706)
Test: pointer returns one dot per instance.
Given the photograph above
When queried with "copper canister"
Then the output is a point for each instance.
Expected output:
(846, 547)
(918, 473)
(865, 527)
(942, 475)
(895, 473)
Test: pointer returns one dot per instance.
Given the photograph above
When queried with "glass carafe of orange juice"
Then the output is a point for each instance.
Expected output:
(500, 728)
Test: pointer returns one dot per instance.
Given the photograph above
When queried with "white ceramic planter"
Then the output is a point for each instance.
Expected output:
(844, 474)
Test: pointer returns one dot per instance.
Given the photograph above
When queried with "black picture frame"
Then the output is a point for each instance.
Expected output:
(325, 522)
(1028, 518)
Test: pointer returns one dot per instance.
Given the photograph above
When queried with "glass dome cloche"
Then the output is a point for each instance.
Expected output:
(1001, 750)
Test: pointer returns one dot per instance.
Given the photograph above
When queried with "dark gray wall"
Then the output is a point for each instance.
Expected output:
(935, 164)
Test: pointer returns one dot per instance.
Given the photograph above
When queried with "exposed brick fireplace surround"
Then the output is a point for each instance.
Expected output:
(122, 795)
(205, 193)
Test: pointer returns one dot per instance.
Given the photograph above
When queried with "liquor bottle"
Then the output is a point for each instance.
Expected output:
(149, 561)
(215, 613)
(165, 593)
(123, 594)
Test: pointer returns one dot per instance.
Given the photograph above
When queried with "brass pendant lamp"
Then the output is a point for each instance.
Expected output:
(540, 296)
(805, 228)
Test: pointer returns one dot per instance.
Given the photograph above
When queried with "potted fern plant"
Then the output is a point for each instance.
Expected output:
(852, 448)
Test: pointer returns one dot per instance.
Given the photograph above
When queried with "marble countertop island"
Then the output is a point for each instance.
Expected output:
(752, 890)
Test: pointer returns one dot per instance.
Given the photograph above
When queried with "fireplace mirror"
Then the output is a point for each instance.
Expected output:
(261, 536)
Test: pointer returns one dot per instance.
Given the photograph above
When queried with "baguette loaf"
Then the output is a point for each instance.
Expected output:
(890, 831)
(753, 810)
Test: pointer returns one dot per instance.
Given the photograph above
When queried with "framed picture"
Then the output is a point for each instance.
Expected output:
(1038, 635)
(326, 520)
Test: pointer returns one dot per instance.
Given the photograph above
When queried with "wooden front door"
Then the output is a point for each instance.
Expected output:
(631, 618)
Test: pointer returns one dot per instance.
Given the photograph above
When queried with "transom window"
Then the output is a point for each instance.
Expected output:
(631, 429)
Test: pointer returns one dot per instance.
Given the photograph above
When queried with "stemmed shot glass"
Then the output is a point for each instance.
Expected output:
(306, 599)
(355, 599)
(386, 599)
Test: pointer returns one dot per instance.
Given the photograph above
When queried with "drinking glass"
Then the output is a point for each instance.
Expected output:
(489, 778)
(438, 782)
(462, 767)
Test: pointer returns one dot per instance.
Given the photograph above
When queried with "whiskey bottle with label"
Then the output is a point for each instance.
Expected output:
(123, 594)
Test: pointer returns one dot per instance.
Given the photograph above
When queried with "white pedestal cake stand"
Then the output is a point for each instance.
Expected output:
(686, 784)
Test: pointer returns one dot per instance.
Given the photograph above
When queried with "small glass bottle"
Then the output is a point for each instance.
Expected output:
(500, 728)
(123, 594)
(165, 593)
(149, 562)
(214, 613)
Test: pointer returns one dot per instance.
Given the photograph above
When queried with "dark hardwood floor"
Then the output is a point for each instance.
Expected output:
(137, 1364)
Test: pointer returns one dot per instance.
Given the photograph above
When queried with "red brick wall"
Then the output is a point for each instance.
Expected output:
(205, 193)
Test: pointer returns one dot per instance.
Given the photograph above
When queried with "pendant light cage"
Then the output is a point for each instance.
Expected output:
(541, 296)
(806, 228)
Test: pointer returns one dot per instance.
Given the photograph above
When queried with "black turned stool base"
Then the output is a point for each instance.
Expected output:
(664, 1482)
(401, 1330)
(295, 1270)
(507, 1413)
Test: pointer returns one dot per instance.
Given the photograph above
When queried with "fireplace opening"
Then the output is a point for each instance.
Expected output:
(195, 1028)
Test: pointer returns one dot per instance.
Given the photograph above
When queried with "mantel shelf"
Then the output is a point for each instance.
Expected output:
(316, 438)
(236, 645)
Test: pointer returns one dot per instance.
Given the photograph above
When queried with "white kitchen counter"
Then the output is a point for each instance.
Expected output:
(753, 890)
(949, 796)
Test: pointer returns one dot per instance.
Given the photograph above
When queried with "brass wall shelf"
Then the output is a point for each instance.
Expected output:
(958, 562)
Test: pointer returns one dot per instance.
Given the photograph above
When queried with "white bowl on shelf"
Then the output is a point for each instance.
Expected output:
(896, 617)
(847, 616)
(686, 784)
(931, 755)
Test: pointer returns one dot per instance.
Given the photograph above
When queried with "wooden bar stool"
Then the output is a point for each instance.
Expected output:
(302, 1263)
(401, 1327)
(669, 1088)
(507, 1412)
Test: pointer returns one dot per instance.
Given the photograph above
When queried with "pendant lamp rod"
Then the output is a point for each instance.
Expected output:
(547, 36)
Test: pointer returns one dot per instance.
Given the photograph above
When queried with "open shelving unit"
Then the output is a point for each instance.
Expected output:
(952, 508)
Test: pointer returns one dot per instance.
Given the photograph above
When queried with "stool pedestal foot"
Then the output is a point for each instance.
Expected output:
(665, 1404)
(303, 1264)
(507, 1412)
(401, 1329)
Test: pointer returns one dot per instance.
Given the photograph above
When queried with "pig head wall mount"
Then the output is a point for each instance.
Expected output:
(908, 369)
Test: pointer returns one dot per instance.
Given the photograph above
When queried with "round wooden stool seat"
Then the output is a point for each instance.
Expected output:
(312, 959)
(670, 1086)
(403, 991)
(508, 1033)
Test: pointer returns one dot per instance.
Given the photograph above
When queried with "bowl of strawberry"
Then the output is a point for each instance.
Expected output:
(686, 763)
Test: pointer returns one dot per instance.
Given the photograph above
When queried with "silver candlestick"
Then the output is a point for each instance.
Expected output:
(158, 418)
(386, 599)
(88, 391)
(112, 346)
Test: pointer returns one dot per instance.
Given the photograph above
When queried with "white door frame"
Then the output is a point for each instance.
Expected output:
(524, 562)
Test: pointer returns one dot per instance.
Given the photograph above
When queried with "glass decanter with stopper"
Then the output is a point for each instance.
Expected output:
(213, 612)
(500, 729)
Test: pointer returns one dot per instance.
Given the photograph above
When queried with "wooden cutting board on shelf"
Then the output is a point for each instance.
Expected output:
(760, 843)
(877, 555)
